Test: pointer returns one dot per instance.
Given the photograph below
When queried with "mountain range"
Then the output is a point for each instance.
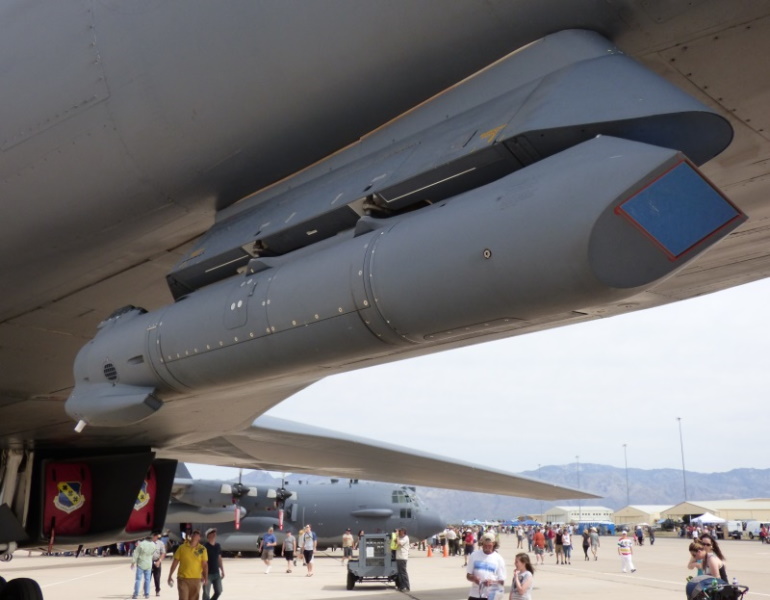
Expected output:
(645, 486)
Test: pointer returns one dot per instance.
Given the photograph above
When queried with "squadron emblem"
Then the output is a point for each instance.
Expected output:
(143, 498)
(69, 499)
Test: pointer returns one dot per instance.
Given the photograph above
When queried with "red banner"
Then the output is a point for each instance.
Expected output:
(68, 500)
(143, 516)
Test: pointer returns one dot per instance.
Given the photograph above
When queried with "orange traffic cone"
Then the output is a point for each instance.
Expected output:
(430, 551)
(445, 550)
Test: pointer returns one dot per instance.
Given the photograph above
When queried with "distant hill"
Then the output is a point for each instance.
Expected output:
(653, 486)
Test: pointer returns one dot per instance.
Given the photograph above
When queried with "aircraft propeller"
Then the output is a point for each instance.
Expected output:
(238, 490)
(281, 496)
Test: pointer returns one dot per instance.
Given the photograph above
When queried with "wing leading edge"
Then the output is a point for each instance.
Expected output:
(274, 444)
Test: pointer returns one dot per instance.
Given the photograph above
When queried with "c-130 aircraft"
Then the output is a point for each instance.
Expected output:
(330, 507)
(260, 197)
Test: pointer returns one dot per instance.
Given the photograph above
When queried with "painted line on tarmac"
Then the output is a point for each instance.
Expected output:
(47, 585)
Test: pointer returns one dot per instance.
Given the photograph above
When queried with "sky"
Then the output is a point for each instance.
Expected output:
(577, 393)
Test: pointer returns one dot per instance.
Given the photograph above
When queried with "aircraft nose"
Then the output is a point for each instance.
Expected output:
(429, 523)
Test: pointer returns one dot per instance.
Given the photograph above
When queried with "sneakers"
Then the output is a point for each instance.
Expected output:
(633, 570)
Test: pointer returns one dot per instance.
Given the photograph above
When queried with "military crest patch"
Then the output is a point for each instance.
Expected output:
(69, 499)
(143, 498)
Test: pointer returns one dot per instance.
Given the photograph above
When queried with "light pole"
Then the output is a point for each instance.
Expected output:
(625, 458)
(681, 445)
(580, 503)
(539, 476)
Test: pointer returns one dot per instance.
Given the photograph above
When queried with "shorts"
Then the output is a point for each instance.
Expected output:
(288, 555)
(538, 550)
(308, 554)
(559, 548)
(347, 552)
(468, 549)
(268, 554)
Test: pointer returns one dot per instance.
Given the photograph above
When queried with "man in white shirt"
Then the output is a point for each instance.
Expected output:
(486, 570)
(402, 555)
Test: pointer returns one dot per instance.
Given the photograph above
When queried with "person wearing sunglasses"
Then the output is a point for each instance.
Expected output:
(714, 562)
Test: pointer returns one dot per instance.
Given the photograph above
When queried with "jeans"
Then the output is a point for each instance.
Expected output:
(214, 579)
(142, 574)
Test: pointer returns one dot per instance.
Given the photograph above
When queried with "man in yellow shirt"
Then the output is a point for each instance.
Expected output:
(193, 562)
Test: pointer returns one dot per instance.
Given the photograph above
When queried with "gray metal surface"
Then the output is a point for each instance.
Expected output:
(122, 135)
(329, 507)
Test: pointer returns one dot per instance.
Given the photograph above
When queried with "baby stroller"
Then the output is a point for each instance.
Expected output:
(706, 587)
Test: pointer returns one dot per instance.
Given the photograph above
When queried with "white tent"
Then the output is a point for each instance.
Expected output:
(708, 519)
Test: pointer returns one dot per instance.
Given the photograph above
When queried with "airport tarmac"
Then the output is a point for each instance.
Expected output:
(661, 574)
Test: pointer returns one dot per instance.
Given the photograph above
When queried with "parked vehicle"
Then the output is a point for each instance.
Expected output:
(734, 529)
(753, 529)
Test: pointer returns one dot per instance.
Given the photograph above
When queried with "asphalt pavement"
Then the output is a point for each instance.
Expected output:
(661, 574)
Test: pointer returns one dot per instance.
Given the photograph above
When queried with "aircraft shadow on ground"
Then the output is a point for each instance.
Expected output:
(366, 589)
(82, 562)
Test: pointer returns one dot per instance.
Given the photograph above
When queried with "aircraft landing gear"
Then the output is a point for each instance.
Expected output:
(15, 476)
(20, 589)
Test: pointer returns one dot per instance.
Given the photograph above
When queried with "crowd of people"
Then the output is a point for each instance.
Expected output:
(199, 566)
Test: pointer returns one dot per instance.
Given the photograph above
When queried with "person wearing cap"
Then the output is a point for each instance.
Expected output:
(193, 562)
(347, 546)
(469, 541)
(216, 566)
(485, 570)
(626, 552)
(157, 560)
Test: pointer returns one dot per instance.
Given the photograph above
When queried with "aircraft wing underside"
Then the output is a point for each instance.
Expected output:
(323, 187)
(274, 444)
(59, 286)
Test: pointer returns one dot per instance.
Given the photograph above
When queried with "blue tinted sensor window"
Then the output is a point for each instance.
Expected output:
(679, 209)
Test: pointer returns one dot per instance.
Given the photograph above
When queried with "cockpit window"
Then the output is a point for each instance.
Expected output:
(404, 496)
(399, 497)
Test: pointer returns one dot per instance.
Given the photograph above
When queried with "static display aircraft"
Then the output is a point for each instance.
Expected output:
(330, 508)
(291, 192)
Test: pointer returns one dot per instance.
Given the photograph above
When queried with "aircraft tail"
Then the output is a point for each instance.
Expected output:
(182, 472)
